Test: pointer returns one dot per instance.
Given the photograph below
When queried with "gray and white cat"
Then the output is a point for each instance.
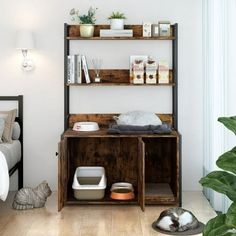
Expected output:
(28, 198)
(176, 220)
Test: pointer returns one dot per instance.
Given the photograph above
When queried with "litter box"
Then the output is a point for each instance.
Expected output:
(89, 183)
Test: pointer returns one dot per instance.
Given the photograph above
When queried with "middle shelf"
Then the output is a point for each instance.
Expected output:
(118, 77)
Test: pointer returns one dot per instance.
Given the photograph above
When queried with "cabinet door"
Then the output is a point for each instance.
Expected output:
(62, 173)
(141, 175)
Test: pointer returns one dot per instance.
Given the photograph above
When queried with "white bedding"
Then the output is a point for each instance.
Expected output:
(10, 154)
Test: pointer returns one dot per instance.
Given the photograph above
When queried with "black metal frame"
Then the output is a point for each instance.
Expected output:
(175, 73)
(66, 88)
(19, 119)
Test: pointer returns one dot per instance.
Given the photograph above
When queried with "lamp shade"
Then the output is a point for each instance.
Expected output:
(24, 40)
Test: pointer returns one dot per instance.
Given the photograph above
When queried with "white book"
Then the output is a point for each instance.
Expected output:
(116, 33)
(72, 69)
(85, 68)
(78, 69)
(68, 70)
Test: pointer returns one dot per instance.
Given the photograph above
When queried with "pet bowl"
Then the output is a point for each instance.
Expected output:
(122, 194)
(122, 185)
(85, 126)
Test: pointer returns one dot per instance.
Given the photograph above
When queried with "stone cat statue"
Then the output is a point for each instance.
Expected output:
(28, 198)
(176, 220)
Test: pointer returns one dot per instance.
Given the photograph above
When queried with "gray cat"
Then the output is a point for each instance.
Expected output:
(177, 220)
(28, 198)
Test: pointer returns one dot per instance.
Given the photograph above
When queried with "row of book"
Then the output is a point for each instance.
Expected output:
(76, 65)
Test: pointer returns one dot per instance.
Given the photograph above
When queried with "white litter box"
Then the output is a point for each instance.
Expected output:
(89, 183)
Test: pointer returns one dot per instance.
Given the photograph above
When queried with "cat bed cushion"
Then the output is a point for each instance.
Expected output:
(147, 129)
(178, 221)
(189, 232)
(138, 118)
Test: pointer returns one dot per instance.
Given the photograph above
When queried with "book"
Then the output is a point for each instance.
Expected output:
(71, 69)
(74, 73)
(85, 69)
(78, 69)
(116, 33)
(68, 70)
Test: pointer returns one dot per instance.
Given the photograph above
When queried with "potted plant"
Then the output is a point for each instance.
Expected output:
(117, 20)
(223, 182)
(86, 21)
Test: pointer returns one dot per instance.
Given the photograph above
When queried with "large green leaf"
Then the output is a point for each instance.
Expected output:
(227, 161)
(222, 182)
(217, 227)
(231, 215)
(229, 122)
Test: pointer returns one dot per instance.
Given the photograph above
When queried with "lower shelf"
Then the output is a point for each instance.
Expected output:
(105, 201)
(159, 193)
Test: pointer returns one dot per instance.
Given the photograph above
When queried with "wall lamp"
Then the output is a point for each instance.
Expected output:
(25, 42)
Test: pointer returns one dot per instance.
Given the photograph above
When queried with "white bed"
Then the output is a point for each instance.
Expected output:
(10, 155)
(12, 152)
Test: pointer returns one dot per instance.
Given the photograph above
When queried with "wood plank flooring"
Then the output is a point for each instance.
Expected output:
(91, 220)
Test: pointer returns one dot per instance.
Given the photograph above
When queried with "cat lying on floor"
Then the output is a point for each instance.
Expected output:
(28, 198)
(176, 220)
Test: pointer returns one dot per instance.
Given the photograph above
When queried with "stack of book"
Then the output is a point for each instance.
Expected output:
(75, 65)
(116, 33)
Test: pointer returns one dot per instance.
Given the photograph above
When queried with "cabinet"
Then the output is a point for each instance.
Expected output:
(152, 163)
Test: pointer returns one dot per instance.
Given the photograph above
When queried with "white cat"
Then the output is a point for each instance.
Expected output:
(177, 220)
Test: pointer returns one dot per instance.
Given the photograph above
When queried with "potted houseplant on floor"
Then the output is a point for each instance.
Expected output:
(223, 182)
(117, 20)
(86, 21)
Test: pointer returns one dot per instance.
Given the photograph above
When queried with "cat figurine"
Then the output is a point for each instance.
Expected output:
(28, 198)
(176, 220)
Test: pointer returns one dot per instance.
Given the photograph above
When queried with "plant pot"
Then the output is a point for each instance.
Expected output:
(117, 24)
(86, 30)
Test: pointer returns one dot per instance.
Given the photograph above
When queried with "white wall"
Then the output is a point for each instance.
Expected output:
(43, 88)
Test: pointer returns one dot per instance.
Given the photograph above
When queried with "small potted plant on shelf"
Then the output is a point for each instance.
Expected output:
(86, 21)
(117, 20)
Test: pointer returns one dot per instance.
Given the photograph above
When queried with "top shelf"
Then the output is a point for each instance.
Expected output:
(121, 38)
(73, 33)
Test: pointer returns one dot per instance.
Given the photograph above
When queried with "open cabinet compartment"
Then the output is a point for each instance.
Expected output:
(161, 170)
(119, 157)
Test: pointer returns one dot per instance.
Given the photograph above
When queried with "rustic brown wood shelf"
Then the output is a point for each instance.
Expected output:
(120, 84)
(118, 77)
(105, 201)
(121, 38)
(103, 133)
(159, 193)
(150, 162)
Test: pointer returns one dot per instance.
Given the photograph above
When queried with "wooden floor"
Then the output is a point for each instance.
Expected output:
(91, 220)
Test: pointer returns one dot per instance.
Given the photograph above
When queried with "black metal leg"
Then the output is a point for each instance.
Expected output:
(20, 175)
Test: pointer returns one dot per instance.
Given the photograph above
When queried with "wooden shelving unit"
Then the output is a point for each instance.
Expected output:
(151, 162)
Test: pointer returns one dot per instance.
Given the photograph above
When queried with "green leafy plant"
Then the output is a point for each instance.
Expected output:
(88, 18)
(223, 182)
(117, 15)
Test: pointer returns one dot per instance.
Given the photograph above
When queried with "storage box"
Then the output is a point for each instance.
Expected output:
(89, 183)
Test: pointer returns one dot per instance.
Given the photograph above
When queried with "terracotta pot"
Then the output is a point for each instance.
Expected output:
(86, 30)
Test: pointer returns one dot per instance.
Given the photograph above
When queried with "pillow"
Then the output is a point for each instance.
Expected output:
(2, 125)
(16, 131)
(138, 118)
(9, 117)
